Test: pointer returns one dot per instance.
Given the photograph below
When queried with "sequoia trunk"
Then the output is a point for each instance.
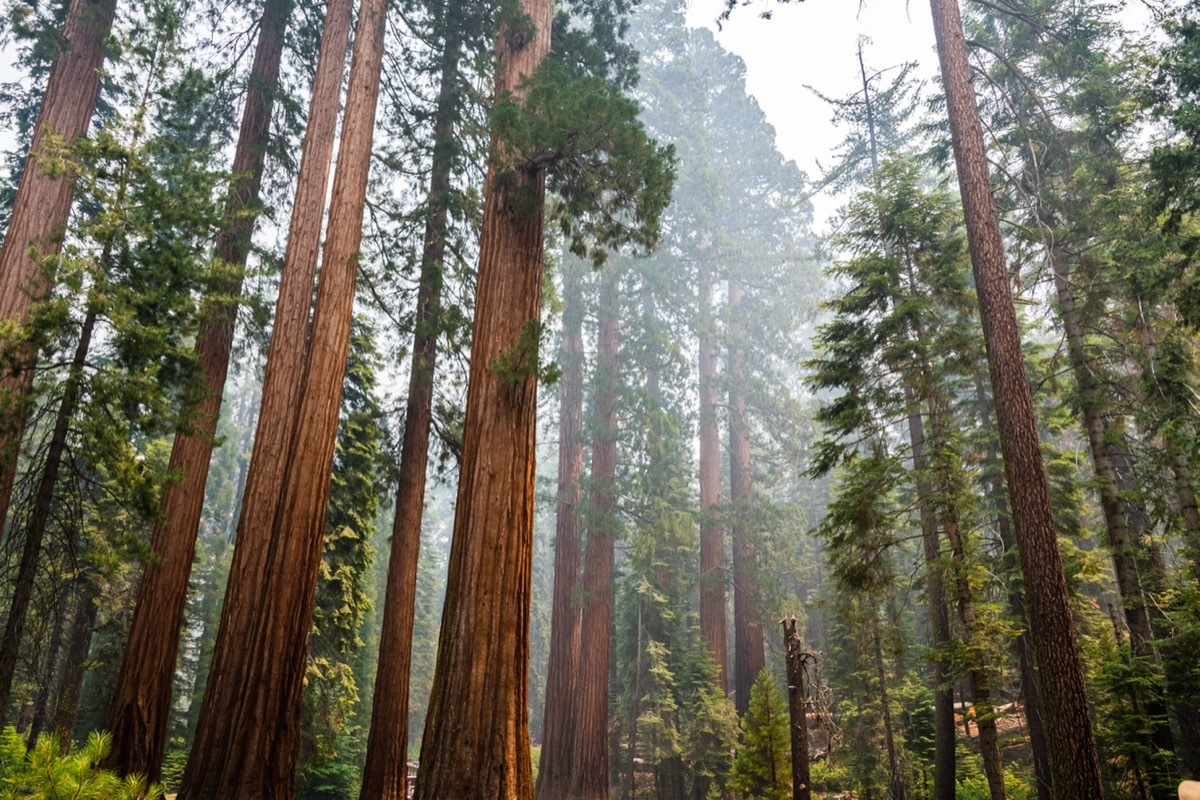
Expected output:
(712, 532)
(558, 732)
(137, 719)
(42, 205)
(749, 651)
(254, 716)
(590, 774)
(385, 776)
(476, 741)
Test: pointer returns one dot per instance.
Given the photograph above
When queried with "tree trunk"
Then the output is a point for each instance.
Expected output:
(712, 534)
(558, 731)
(476, 741)
(82, 627)
(255, 723)
(944, 757)
(385, 776)
(1073, 750)
(39, 518)
(896, 786)
(589, 778)
(141, 703)
(749, 656)
(1031, 694)
(46, 700)
(42, 205)
(797, 661)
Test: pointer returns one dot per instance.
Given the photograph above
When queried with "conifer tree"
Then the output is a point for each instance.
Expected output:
(763, 767)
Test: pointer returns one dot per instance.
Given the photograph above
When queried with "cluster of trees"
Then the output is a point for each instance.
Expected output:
(952, 443)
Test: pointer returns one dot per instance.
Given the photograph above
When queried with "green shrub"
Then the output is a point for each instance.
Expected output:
(47, 773)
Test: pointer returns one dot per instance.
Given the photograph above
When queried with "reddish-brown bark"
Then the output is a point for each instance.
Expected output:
(247, 736)
(558, 731)
(137, 718)
(1075, 765)
(385, 775)
(476, 741)
(42, 205)
(712, 532)
(590, 774)
(749, 649)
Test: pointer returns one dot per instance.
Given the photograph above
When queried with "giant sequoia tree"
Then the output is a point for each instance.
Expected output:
(248, 732)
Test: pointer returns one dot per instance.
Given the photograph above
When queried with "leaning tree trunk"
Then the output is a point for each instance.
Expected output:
(138, 716)
(385, 776)
(1069, 725)
(558, 730)
(797, 661)
(257, 725)
(476, 741)
(42, 205)
(590, 774)
(944, 756)
(712, 534)
(749, 650)
(896, 784)
(39, 517)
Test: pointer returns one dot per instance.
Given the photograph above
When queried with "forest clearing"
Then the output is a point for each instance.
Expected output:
(460, 400)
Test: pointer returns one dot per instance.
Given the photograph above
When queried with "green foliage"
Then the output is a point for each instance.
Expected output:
(611, 180)
(763, 767)
(46, 773)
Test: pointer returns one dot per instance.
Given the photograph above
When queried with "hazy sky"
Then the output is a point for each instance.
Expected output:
(815, 43)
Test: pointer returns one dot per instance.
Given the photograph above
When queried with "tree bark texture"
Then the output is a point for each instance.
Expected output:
(476, 742)
(43, 204)
(385, 776)
(797, 665)
(944, 757)
(39, 517)
(590, 775)
(258, 724)
(558, 730)
(712, 532)
(750, 654)
(138, 716)
(1073, 750)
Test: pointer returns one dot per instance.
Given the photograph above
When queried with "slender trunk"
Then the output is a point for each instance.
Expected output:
(476, 741)
(558, 737)
(257, 726)
(944, 758)
(797, 661)
(385, 776)
(589, 775)
(1073, 749)
(749, 656)
(1124, 544)
(49, 684)
(82, 627)
(138, 717)
(42, 206)
(39, 518)
(1031, 694)
(712, 533)
(895, 776)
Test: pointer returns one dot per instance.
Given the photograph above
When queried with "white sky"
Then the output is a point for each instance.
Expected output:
(815, 43)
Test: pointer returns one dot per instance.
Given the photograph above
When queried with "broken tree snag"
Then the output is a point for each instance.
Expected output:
(797, 665)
